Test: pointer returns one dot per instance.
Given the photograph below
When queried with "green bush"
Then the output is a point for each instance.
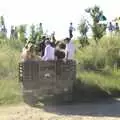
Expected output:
(9, 58)
(106, 53)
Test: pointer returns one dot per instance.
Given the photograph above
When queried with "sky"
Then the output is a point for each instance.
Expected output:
(54, 14)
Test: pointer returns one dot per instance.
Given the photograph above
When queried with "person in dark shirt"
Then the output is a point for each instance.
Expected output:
(60, 51)
(117, 27)
(42, 46)
(16, 33)
(12, 33)
(53, 43)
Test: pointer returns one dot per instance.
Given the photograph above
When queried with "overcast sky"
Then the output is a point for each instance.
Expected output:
(54, 14)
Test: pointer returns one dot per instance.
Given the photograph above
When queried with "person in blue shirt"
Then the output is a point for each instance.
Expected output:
(110, 27)
(71, 29)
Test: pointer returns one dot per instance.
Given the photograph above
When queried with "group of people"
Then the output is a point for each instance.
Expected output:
(49, 50)
(112, 27)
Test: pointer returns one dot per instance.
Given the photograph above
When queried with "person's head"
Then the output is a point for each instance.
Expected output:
(48, 38)
(15, 28)
(40, 24)
(110, 23)
(62, 45)
(116, 24)
(67, 40)
(43, 37)
(47, 42)
(71, 23)
(53, 33)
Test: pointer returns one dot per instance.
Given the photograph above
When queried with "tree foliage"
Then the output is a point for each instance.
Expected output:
(22, 33)
(3, 30)
(83, 29)
(32, 33)
(97, 29)
(36, 33)
(39, 32)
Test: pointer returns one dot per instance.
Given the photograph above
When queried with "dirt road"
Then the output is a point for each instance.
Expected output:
(83, 111)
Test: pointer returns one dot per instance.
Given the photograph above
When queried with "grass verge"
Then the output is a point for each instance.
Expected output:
(10, 92)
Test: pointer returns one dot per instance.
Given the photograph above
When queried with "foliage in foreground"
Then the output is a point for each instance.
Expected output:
(9, 58)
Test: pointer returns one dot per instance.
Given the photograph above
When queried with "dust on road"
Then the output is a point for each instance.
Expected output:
(83, 111)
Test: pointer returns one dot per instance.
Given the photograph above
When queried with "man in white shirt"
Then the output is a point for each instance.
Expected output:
(49, 52)
(70, 49)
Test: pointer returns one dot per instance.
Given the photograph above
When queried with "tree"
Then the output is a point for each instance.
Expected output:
(40, 29)
(36, 33)
(83, 29)
(22, 32)
(97, 16)
(39, 32)
(32, 33)
(3, 31)
(16, 33)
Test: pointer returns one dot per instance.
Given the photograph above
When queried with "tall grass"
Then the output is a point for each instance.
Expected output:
(105, 54)
(9, 58)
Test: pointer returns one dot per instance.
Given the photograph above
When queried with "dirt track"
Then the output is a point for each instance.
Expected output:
(83, 111)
